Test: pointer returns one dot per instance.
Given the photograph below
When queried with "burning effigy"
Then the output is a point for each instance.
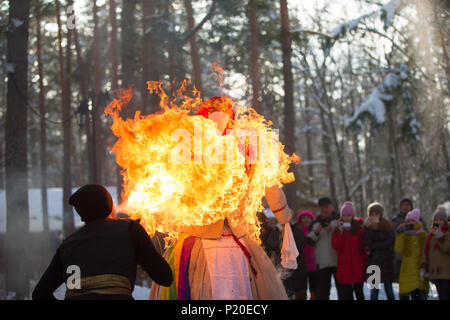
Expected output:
(197, 171)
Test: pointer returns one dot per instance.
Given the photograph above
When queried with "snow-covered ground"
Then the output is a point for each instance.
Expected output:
(143, 293)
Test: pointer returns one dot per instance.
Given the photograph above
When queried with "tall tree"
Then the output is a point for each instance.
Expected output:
(254, 64)
(309, 145)
(17, 218)
(43, 124)
(128, 43)
(97, 102)
(289, 115)
(114, 46)
(127, 53)
(150, 62)
(115, 75)
(195, 56)
(64, 74)
(84, 92)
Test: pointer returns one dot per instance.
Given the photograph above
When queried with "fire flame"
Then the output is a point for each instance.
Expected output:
(180, 171)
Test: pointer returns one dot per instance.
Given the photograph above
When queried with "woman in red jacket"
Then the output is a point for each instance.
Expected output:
(347, 240)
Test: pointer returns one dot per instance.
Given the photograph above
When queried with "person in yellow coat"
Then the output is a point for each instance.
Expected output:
(410, 243)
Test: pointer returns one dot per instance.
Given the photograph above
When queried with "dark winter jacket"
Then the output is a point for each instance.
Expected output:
(351, 256)
(270, 240)
(297, 280)
(104, 247)
(379, 240)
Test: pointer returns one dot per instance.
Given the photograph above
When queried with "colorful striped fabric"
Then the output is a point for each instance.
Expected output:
(184, 290)
(178, 258)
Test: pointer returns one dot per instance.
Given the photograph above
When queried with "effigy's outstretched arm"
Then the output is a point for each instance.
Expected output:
(277, 202)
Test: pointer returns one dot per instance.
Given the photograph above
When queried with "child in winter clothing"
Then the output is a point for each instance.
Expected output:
(410, 242)
(436, 257)
(297, 283)
(304, 220)
(347, 240)
(379, 241)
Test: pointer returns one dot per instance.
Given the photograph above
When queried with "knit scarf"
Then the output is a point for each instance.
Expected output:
(436, 246)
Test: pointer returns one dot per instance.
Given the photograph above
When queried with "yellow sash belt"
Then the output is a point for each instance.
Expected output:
(102, 284)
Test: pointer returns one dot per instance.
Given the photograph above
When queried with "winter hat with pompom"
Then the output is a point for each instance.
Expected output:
(347, 209)
(440, 214)
(413, 215)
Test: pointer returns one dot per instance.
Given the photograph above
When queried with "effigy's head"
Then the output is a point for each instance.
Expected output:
(219, 110)
(182, 170)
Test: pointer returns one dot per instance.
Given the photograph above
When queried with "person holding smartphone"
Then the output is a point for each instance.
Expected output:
(410, 242)
(435, 263)
(347, 240)
(379, 241)
(320, 232)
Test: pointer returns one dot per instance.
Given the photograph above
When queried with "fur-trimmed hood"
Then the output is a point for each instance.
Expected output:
(383, 225)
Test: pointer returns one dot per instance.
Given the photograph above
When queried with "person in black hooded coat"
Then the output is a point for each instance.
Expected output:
(379, 239)
(296, 282)
(105, 251)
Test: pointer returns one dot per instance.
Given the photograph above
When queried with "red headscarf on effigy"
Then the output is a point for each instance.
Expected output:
(217, 104)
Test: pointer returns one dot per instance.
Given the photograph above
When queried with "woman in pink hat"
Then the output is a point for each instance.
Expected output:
(347, 240)
(304, 220)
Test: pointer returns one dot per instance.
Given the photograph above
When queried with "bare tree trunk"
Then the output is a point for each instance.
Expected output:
(83, 78)
(115, 77)
(128, 44)
(2, 151)
(391, 151)
(171, 50)
(309, 147)
(97, 104)
(147, 7)
(195, 56)
(369, 168)
(340, 154)
(114, 46)
(64, 73)
(254, 64)
(441, 26)
(43, 125)
(289, 115)
(443, 136)
(329, 162)
(17, 215)
(82, 75)
(360, 194)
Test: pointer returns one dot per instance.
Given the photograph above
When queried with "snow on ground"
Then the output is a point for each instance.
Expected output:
(143, 292)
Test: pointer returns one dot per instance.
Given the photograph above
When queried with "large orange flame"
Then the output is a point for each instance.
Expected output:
(180, 171)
